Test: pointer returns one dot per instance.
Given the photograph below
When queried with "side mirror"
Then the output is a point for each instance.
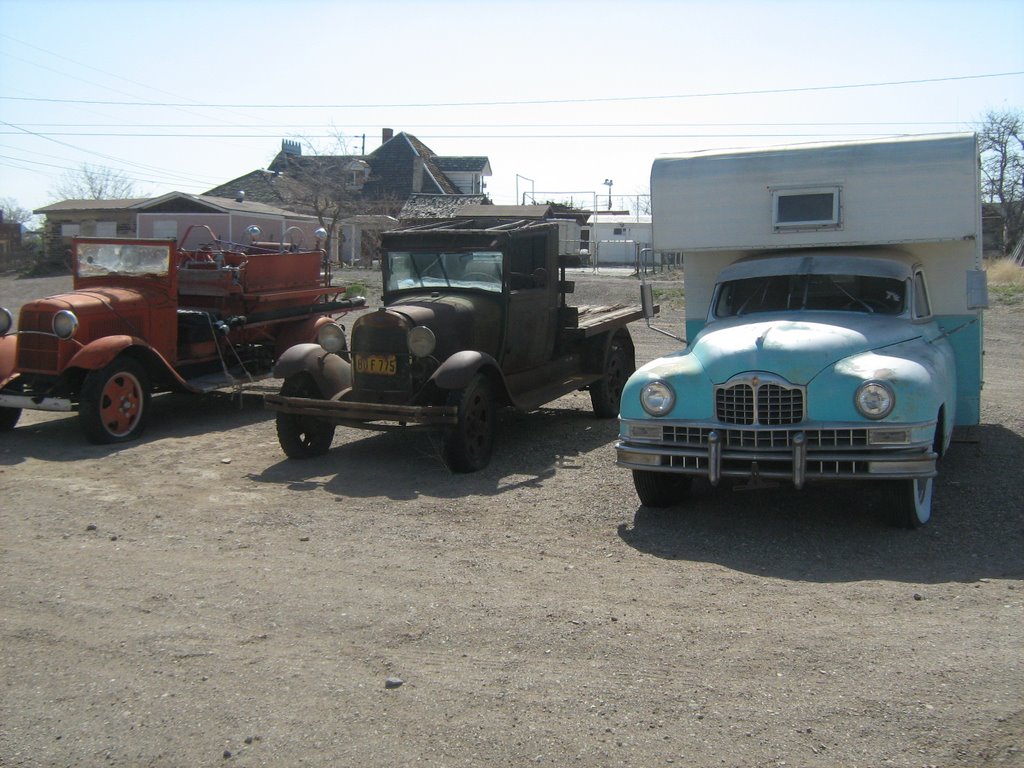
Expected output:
(647, 300)
(650, 310)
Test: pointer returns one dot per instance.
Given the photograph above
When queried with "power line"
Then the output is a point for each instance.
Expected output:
(518, 136)
(524, 102)
(295, 127)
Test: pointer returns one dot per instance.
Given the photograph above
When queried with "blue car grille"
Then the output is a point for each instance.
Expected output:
(766, 439)
(765, 403)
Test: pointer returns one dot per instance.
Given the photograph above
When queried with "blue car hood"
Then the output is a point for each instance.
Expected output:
(797, 350)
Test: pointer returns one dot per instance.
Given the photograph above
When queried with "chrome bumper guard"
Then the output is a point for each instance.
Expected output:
(796, 463)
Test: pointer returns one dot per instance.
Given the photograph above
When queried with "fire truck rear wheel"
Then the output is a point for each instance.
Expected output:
(302, 437)
(115, 402)
(8, 418)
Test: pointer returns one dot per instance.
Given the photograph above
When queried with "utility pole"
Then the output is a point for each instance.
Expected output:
(523, 201)
(608, 183)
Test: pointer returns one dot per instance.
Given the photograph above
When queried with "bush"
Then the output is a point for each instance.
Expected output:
(1005, 282)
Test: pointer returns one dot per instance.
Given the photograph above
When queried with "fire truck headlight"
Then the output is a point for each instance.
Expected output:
(65, 324)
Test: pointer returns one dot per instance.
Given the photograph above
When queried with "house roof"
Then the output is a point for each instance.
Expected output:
(175, 201)
(538, 212)
(464, 164)
(393, 173)
(392, 169)
(67, 206)
(260, 186)
(219, 204)
(623, 217)
(423, 206)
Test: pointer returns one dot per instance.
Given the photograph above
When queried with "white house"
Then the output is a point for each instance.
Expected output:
(618, 238)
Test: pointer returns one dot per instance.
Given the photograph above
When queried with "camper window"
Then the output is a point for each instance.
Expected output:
(816, 208)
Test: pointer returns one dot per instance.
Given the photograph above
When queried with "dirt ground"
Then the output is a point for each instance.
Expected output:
(194, 599)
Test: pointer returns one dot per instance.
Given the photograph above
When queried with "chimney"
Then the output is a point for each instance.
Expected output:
(386, 135)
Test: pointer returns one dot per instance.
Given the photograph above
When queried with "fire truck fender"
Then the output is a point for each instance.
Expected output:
(8, 357)
(101, 352)
(300, 332)
(331, 372)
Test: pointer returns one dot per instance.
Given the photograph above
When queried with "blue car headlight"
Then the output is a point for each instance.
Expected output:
(657, 397)
(874, 399)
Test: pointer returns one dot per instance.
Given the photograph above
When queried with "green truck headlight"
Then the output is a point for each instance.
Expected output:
(421, 341)
(331, 337)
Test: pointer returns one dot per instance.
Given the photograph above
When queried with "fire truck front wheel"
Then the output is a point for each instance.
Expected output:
(115, 402)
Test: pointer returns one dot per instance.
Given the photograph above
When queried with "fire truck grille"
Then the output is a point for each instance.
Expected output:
(37, 346)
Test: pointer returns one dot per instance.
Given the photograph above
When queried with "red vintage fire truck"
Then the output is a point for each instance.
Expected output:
(148, 316)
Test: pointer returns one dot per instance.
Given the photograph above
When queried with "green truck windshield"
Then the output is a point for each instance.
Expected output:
(478, 270)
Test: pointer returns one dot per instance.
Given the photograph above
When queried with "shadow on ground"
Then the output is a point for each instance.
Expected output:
(837, 532)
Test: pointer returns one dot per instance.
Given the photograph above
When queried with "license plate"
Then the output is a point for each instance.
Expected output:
(378, 365)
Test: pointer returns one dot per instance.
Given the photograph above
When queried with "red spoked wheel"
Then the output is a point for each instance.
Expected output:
(115, 402)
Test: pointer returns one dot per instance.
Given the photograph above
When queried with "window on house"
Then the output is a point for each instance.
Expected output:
(808, 208)
(617, 231)
(165, 228)
(70, 230)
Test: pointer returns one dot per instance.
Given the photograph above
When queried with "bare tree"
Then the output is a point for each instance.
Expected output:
(14, 213)
(322, 187)
(94, 182)
(1001, 138)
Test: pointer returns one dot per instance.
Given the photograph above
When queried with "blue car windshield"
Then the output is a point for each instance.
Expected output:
(479, 270)
(831, 293)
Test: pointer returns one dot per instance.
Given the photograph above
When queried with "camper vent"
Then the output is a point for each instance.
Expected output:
(806, 208)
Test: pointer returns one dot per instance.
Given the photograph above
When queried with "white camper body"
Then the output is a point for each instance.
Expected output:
(919, 194)
(833, 297)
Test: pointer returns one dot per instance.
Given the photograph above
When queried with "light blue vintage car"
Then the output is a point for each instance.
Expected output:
(812, 365)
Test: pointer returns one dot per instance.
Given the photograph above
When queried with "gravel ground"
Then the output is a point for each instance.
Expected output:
(194, 599)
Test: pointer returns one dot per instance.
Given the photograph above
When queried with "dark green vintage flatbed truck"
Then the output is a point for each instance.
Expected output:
(474, 318)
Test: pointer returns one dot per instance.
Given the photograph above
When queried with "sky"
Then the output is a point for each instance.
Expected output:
(561, 96)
